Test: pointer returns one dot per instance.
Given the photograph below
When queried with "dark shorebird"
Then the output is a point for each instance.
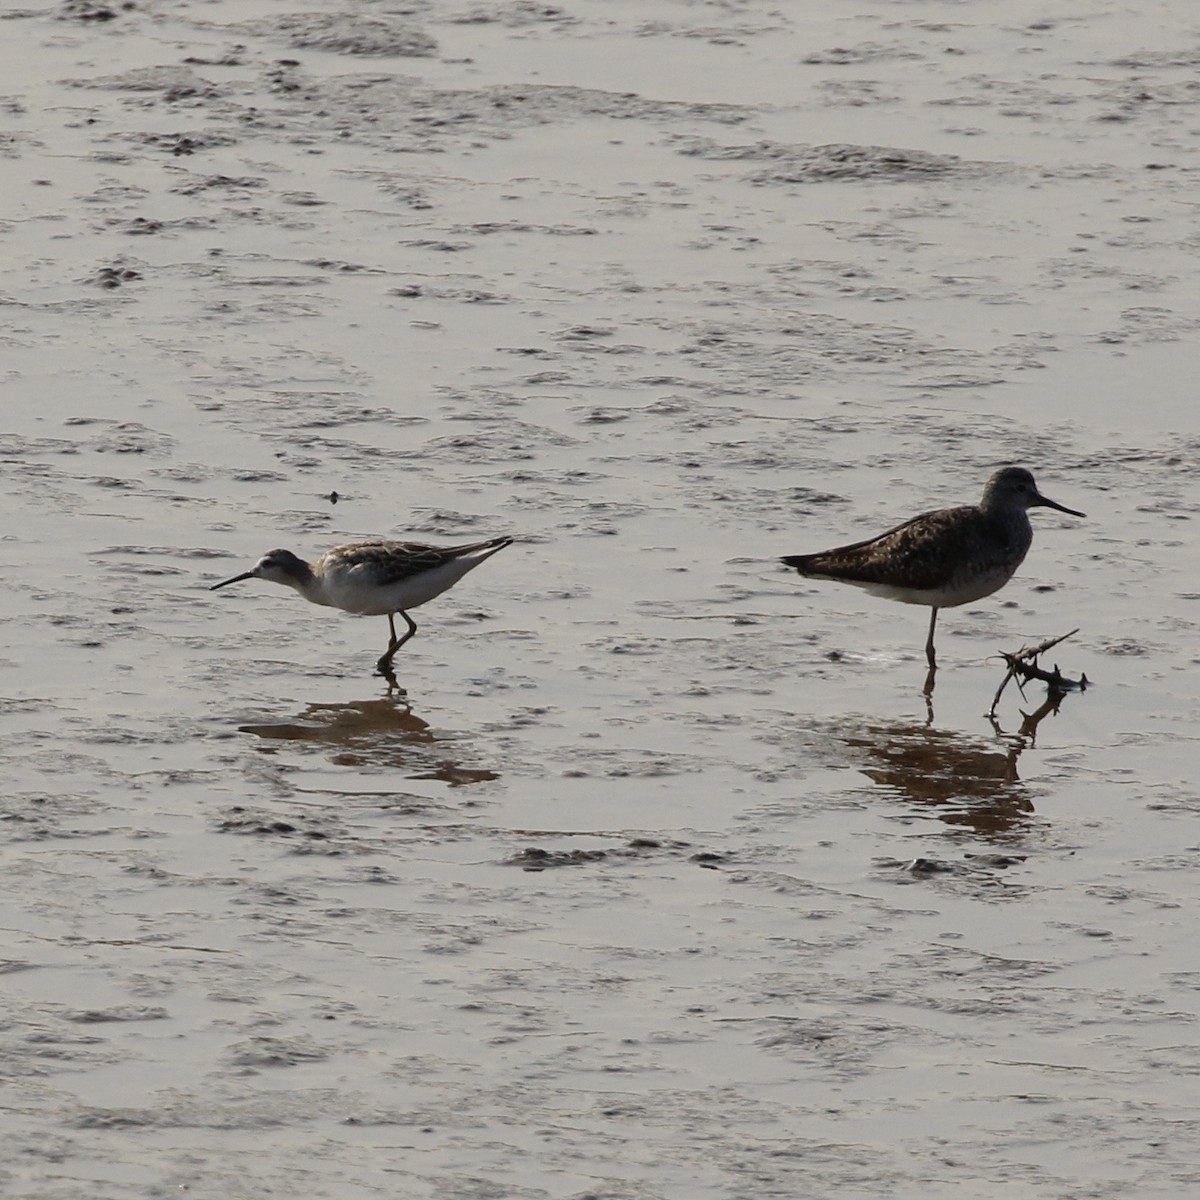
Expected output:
(374, 579)
(944, 558)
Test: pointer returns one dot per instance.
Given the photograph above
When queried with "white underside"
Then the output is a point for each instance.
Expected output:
(964, 593)
(352, 590)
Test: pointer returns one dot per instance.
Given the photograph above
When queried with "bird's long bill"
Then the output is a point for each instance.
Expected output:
(250, 575)
(1061, 507)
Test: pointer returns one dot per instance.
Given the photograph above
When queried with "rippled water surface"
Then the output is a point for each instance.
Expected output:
(659, 879)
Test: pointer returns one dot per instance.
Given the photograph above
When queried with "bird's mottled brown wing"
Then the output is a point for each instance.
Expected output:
(925, 553)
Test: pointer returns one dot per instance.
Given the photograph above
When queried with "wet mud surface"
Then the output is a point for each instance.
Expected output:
(659, 879)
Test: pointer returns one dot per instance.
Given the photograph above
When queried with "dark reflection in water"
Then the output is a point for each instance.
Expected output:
(374, 735)
(973, 783)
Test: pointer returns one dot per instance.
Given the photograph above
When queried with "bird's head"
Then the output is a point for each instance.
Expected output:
(276, 566)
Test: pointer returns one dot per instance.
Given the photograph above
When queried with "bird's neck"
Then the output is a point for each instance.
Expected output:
(302, 577)
(312, 587)
(1009, 514)
(1016, 525)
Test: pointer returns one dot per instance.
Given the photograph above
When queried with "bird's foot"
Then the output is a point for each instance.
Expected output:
(384, 667)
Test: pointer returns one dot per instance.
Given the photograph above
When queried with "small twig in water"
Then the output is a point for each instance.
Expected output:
(1023, 667)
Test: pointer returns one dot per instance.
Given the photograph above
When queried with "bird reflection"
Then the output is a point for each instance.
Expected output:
(972, 783)
(373, 734)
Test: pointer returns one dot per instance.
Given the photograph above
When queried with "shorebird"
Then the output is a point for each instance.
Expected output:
(375, 578)
(943, 558)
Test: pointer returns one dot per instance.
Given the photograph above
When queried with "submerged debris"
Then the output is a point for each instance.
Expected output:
(1023, 667)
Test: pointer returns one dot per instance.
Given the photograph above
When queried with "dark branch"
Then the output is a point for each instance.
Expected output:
(1023, 667)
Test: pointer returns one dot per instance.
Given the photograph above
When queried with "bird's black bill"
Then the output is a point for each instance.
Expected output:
(1061, 507)
(246, 575)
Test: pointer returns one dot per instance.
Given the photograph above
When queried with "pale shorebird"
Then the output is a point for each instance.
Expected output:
(374, 579)
(943, 558)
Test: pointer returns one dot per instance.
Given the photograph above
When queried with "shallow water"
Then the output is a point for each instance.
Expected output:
(661, 880)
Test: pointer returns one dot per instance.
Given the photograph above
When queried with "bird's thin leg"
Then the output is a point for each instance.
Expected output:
(384, 665)
(931, 659)
(412, 628)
